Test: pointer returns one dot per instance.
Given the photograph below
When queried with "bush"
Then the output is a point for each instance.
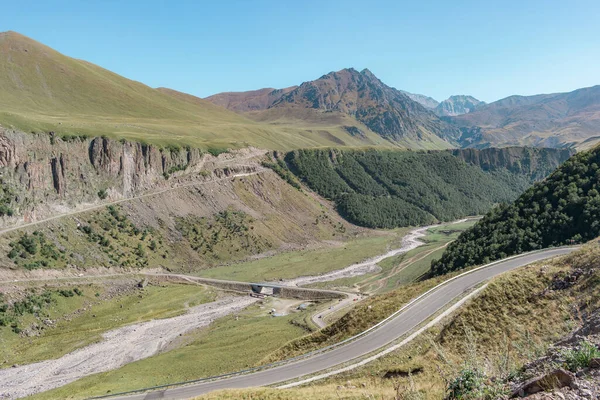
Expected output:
(6, 210)
(140, 251)
(173, 169)
(467, 385)
(66, 293)
(173, 148)
(29, 244)
(579, 358)
(215, 151)
(103, 194)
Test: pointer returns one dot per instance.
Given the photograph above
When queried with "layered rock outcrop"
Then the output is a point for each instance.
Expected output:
(45, 171)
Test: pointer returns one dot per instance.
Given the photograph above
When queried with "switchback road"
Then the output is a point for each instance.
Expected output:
(406, 320)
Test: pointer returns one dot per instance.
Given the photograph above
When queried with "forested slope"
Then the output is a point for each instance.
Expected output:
(563, 208)
(387, 189)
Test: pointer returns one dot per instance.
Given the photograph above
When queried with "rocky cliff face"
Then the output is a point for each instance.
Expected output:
(426, 101)
(535, 162)
(43, 173)
(457, 105)
(385, 110)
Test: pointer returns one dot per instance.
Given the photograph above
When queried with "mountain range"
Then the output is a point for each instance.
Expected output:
(44, 90)
(452, 106)
(357, 97)
(546, 120)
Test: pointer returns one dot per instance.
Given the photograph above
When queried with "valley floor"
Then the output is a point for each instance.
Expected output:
(131, 342)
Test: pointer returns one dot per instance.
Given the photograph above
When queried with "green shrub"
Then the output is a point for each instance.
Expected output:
(467, 385)
(140, 252)
(174, 169)
(29, 244)
(66, 293)
(6, 210)
(215, 151)
(580, 357)
(173, 148)
(103, 194)
(73, 138)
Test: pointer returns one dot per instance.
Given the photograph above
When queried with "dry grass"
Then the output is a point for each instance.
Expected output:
(43, 90)
(511, 322)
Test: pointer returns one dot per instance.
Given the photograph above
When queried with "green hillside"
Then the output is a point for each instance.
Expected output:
(43, 90)
(562, 209)
(386, 189)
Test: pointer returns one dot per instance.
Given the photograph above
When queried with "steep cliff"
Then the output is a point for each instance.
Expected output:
(42, 174)
(537, 163)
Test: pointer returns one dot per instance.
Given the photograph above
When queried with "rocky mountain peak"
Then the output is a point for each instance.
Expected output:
(458, 105)
(383, 109)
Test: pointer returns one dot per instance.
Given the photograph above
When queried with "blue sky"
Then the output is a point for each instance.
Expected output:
(489, 49)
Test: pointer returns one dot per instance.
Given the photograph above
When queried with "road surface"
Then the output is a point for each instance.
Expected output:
(404, 322)
(319, 318)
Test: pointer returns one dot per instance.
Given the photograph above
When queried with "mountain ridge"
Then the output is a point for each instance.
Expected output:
(43, 90)
(457, 105)
(383, 109)
(426, 101)
(544, 120)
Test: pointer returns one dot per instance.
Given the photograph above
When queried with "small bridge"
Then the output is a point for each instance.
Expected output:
(268, 289)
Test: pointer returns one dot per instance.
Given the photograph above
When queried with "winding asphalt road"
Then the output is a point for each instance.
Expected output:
(319, 318)
(412, 316)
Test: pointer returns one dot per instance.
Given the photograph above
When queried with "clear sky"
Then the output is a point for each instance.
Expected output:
(489, 49)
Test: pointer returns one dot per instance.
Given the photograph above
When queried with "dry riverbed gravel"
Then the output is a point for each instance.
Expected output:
(119, 347)
(135, 342)
(409, 242)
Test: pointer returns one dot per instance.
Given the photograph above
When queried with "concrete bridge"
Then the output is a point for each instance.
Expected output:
(269, 289)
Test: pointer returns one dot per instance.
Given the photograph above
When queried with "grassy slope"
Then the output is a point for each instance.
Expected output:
(562, 209)
(307, 262)
(43, 90)
(82, 328)
(405, 268)
(496, 339)
(278, 217)
(228, 345)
